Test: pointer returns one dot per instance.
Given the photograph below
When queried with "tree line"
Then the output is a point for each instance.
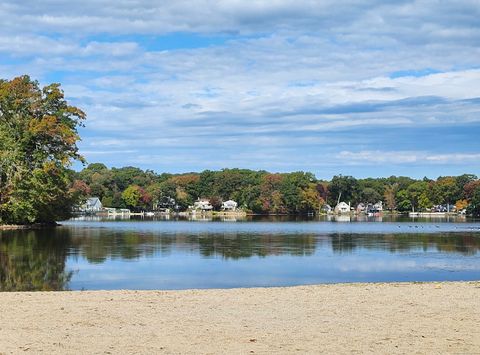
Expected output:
(272, 193)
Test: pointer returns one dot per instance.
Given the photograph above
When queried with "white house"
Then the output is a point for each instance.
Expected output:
(378, 206)
(229, 205)
(342, 207)
(202, 204)
(92, 204)
(376, 209)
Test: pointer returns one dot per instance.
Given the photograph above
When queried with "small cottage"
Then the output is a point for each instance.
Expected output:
(342, 207)
(203, 205)
(375, 209)
(361, 208)
(378, 206)
(229, 205)
(327, 208)
(93, 204)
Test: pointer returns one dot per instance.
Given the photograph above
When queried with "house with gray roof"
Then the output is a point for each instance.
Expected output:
(93, 204)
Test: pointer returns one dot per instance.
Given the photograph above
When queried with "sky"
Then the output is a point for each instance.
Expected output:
(362, 88)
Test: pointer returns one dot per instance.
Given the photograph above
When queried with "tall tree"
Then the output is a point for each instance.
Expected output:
(418, 195)
(135, 197)
(445, 190)
(474, 207)
(463, 180)
(389, 196)
(38, 136)
(343, 187)
(370, 195)
(311, 200)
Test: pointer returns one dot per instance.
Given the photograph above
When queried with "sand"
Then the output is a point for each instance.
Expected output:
(424, 318)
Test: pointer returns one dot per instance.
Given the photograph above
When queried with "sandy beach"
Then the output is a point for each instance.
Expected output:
(424, 318)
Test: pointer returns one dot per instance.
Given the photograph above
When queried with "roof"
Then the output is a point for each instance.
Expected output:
(229, 202)
(93, 201)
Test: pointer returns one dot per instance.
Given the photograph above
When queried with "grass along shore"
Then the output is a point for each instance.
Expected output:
(339, 318)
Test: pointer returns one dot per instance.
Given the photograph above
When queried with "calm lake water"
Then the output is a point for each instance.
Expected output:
(145, 254)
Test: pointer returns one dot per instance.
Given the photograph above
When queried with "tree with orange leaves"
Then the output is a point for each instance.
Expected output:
(38, 136)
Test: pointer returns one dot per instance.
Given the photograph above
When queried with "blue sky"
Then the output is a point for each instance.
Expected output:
(363, 88)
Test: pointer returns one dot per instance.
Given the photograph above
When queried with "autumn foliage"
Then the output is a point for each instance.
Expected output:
(38, 135)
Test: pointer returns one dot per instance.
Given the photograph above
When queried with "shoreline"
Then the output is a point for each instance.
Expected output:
(28, 226)
(426, 317)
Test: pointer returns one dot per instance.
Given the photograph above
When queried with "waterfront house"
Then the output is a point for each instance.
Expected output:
(327, 208)
(229, 205)
(203, 205)
(164, 203)
(361, 208)
(375, 209)
(444, 208)
(93, 204)
(342, 207)
(378, 206)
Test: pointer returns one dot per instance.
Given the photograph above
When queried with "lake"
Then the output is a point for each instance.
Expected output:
(92, 254)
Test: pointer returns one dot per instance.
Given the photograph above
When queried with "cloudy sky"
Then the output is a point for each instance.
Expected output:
(364, 88)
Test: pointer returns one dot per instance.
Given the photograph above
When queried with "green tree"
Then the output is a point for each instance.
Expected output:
(38, 136)
(249, 198)
(343, 187)
(135, 197)
(418, 195)
(310, 199)
(292, 188)
(403, 201)
(445, 190)
(463, 180)
(130, 175)
(474, 207)
(132, 195)
(370, 195)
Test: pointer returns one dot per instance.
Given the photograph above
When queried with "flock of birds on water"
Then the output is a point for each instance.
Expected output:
(437, 226)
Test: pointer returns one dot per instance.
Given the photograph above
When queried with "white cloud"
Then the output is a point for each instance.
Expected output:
(406, 157)
(321, 77)
(30, 45)
(416, 21)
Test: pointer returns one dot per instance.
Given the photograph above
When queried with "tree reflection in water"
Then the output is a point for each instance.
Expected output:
(37, 259)
(34, 260)
(98, 245)
(463, 243)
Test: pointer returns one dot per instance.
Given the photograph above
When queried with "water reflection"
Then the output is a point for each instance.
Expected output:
(98, 245)
(462, 243)
(34, 260)
(175, 255)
